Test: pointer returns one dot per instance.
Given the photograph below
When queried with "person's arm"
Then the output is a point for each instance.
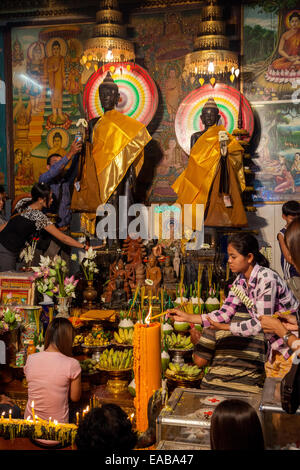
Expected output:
(56, 168)
(75, 388)
(72, 171)
(284, 248)
(63, 237)
(273, 325)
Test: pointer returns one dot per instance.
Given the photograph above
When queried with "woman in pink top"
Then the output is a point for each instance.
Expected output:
(53, 375)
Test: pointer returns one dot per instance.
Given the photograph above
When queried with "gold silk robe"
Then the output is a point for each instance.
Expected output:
(199, 182)
(118, 142)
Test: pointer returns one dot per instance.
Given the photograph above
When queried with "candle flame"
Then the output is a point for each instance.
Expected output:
(55, 422)
(148, 317)
(3, 413)
(32, 404)
(10, 412)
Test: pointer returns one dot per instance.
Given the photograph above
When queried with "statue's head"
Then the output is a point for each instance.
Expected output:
(210, 113)
(108, 93)
(152, 261)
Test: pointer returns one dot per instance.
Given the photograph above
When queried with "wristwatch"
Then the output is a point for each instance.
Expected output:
(286, 336)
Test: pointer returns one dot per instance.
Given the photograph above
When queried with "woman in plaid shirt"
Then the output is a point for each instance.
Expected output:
(268, 292)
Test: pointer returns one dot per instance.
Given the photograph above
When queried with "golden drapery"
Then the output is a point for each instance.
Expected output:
(195, 184)
(118, 142)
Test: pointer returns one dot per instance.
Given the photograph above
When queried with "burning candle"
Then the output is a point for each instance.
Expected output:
(32, 409)
(2, 415)
(9, 414)
(77, 418)
(146, 366)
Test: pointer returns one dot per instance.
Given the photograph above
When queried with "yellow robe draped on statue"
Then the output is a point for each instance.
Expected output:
(199, 182)
(118, 142)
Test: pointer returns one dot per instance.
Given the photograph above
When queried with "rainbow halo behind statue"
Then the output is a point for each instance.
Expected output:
(138, 92)
(226, 97)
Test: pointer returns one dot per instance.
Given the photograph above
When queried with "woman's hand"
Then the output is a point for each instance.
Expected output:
(288, 321)
(218, 326)
(272, 325)
(178, 315)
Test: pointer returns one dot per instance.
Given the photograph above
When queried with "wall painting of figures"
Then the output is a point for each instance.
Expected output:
(3, 161)
(271, 73)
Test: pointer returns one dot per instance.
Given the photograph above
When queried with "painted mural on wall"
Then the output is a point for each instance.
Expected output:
(48, 83)
(163, 40)
(3, 163)
(272, 84)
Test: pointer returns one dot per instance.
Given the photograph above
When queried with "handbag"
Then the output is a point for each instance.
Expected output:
(290, 385)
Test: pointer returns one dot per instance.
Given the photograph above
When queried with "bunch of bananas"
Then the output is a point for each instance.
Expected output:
(89, 365)
(124, 336)
(116, 360)
(99, 340)
(78, 340)
(181, 371)
(178, 341)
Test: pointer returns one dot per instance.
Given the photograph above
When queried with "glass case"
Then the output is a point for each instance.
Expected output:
(186, 418)
(281, 430)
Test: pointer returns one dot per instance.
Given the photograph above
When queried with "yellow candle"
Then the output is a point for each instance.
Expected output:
(32, 409)
(9, 413)
(147, 368)
(77, 418)
(2, 416)
(49, 421)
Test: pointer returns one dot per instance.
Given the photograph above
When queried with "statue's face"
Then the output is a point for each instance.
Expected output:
(152, 261)
(109, 97)
(209, 116)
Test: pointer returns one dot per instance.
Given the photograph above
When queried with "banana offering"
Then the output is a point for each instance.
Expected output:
(124, 336)
(178, 341)
(78, 340)
(182, 371)
(98, 338)
(116, 360)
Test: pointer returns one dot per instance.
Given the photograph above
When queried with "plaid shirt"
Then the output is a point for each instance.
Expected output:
(269, 294)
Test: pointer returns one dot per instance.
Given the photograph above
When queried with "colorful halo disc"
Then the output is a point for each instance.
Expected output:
(138, 92)
(227, 98)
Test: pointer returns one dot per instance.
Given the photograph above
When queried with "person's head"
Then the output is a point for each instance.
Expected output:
(55, 48)
(18, 155)
(60, 333)
(57, 140)
(108, 93)
(54, 158)
(290, 210)
(210, 113)
(294, 20)
(41, 192)
(235, 426)
(292, 240)
(2, 197)
(243, 252)
(106, 429)
(297, 157)
(152, 261)
(281, 159)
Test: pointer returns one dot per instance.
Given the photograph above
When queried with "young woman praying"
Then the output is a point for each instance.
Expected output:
(263, 286)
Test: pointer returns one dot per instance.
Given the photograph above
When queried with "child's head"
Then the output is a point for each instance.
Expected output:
(290, 210)
(235, 426)
(243, 252)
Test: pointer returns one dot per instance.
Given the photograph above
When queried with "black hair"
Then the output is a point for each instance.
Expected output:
(52, 155)
(294, 15)
(2, 189)
(57, 134)
(60, 332)
(291, 208)
(55, 43)
(236, 426)
(106, 429)
(246, 243)
(38, 190)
